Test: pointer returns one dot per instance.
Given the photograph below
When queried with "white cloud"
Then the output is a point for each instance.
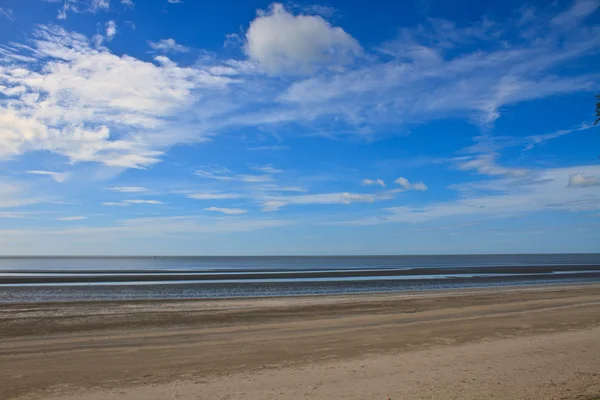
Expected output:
(534, 140)
(153, 202)
(283, 43)
(57, 176)
(20, 214)
(581, 181)
(425, 81)
(318, 9)
(72, 99)
(15, 194)
(274, 203)
(223, 174)
(228, 211)
(128, 189)
(511, 196)
(213, 196)
(80, 6)
(115, 204)
(268, 169)
(271, 148)
(175, 1)
(127, 203)
(406, 185)
(485, 164)
(111, 30)
(128, 3)
(73, 218)
(169, 45)
(276, 188)
(369, 182)
(7, 13)
(577, 12)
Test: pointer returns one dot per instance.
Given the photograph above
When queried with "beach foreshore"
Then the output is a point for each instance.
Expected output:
(501, 343)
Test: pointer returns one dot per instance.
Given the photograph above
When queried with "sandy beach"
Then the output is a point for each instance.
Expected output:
(503, 343)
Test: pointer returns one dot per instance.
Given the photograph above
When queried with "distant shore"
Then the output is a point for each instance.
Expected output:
(512, 343)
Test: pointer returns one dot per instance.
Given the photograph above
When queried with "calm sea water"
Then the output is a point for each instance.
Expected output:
(25, 279)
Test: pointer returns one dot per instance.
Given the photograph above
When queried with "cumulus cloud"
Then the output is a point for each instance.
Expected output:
(283, 43)
(406, 185)
(228, 211)
(111, 30)
(57, 176)
(127, 189)
(581, 181)
(127, 3)
(369, 182)
(168, 45)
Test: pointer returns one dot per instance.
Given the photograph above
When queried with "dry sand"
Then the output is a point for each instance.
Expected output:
(541, 343)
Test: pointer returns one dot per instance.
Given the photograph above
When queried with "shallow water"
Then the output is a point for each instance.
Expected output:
(112, 278)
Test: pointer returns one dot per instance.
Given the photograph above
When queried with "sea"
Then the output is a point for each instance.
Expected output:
(60, 279)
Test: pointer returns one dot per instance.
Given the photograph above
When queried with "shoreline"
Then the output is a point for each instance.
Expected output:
(217, 348)
(367, 296)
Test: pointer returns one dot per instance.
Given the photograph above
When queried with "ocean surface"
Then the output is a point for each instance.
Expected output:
(41, 279)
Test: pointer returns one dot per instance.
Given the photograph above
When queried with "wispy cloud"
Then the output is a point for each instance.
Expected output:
(16, 194)
(73, 218)
(224, 174)
(213, 196)
(268, 169)
(80, 6)
(128, 189)
(127, 203)
(152, 202)
(228, 211)
(369, 182)
(485, 164)
(268, 148)
(168, 45)
(274, 203)
(7, 13)
(56, 176)
(580, 10)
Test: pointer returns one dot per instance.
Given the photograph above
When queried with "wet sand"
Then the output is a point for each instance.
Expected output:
(529, 343)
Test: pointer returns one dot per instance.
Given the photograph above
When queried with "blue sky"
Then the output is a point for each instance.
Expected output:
(168, 127)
